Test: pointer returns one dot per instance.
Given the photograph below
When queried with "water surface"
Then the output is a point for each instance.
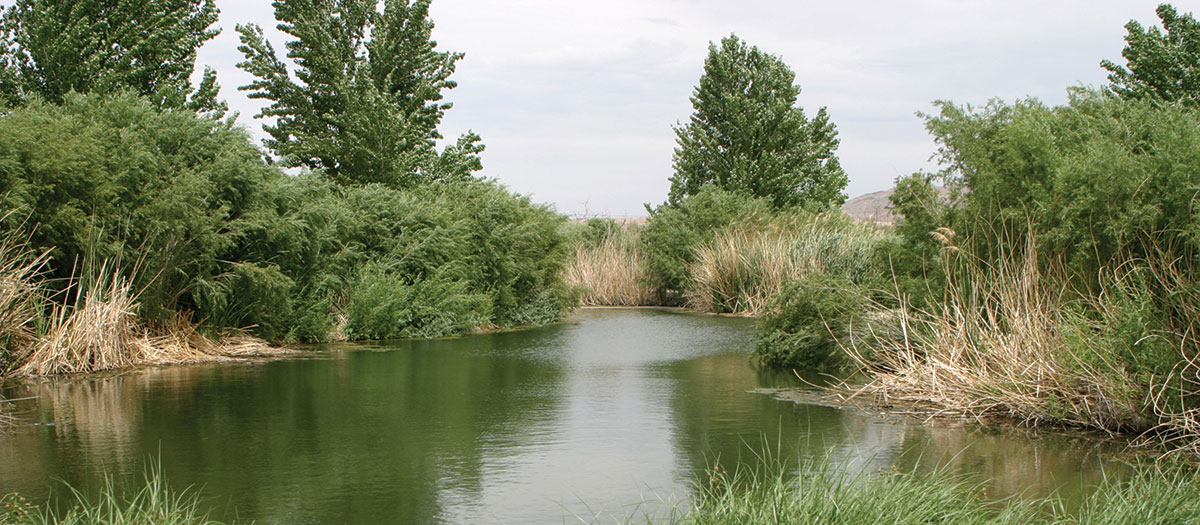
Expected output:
(603, 416)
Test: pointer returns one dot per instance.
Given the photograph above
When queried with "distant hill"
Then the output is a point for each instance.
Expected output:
(875, 206)
(870, 207)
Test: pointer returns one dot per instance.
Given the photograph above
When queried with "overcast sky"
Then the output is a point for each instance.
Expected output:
(575, 99)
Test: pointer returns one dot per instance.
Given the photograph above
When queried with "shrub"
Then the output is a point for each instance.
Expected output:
(451, 244)
(114, 178)
(808, 321)
(386, 305)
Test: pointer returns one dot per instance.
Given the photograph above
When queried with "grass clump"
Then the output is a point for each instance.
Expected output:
(153, 503)
(773, 489)
(809, 321)
(746, 264)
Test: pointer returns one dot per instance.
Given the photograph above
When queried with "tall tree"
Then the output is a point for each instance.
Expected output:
(53, 47)
(747, 134)
(365, 100)
(1160, 65)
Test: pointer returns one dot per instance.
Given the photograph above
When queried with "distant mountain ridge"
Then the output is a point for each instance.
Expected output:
(877, 206)
(870, 207)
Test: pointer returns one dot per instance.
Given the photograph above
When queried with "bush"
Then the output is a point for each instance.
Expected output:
(808, 321)
(386, 305)
(114, 178)
(187, 208)
(471, 247)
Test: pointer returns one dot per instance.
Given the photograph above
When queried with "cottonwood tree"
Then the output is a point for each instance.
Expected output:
(53, 47)
(747, 134)
(364, 101)
(1161, 65)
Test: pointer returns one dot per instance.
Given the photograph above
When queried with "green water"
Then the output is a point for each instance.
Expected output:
(603, 416)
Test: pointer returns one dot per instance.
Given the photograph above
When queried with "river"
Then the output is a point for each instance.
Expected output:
(608, 415)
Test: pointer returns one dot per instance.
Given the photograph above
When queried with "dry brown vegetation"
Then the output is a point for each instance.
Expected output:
(99, 330)
(747, 263)
(611, 273)
(1005, 342)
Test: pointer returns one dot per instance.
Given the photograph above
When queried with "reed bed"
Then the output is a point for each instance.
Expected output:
(99, 330)
(611, 272)
(746, 264)
(1006, 341)
(20, 298)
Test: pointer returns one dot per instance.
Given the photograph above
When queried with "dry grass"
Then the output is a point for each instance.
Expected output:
(101, 331)
(95, 333)
(997, 346)
(20, 298)
(747, 264)
(612, 273)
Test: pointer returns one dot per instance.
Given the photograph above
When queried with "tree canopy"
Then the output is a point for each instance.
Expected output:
(53, 47)
(747, 134)
(1160, 65)
(365, 100)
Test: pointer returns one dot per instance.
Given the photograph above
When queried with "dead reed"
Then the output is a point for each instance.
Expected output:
(20, 298)
(611, 273)
(747, 264)
(1003, 342)
(100, 331)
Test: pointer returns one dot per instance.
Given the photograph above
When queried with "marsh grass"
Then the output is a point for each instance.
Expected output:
(746, 264)
(153, 503)
(995, 345)
(1010, 340)
(771, 488)
(774, 489)
(611, 271)
(21, 300)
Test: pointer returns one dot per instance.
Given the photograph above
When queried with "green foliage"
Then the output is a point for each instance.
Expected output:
(911, 255)
(673, 232)
(490, 257)
(364, 102)
(747, 134)
(114, 177)
(1081, 174)
(1160, 65)
(54, 47)
(152, 502)
(808, 321)
(388, 305)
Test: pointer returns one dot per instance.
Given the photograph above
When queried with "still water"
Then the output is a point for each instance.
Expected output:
(608, 415)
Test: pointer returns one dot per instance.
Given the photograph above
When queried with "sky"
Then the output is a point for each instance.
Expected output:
(576, 99)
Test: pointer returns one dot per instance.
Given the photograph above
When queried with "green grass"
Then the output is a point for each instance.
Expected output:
(154, 503)
(778, 490)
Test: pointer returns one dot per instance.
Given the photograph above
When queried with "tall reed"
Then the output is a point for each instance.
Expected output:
(1006, 340)
(611, 272)
(21, 299)
(748, 263)
(95, 332)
